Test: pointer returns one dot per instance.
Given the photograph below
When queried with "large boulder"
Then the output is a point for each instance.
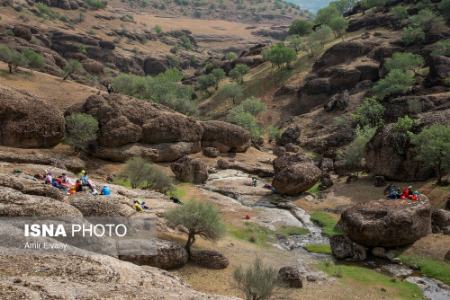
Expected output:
(192, 170)
(291, 276)
(254, 169)
(387, 223)
(296, 178)
(154, 66)
(439, 70)
(209, 259)
(226, 137)
(390, 154)
(152, 252)
(28, 122)
(92, 206)
(440, 221)
(287, 159)
(344, 248)
(290, 135)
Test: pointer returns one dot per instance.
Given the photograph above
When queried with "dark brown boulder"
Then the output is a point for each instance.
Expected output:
(190, 170)
(209, 259)
(344, 248)
(28, 122)
(387, 223)
(440, 221)
(290, 135)
(439, 70)
(343, 52)
(22, 32)
(296, 178)
(288, 158)
(154, 66)
(291, 276)
(315, 86)
(226, 137)
(344, 79)
(169, 128)
(211, 152)
(337, 102)
(414, 105)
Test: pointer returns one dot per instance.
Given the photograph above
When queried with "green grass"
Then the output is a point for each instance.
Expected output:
(430, 267)
(260, 235)
(179, 192)
(122, 182)
(318, 248)
(370, 279)
(327, 222)
(315, 189)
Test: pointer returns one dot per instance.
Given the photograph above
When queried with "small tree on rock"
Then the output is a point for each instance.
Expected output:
(433, 148)
(339, 25)
(370, 113)
(354, 153)
(257, 281)
(198, 218)
(322, 35)
(80, 130)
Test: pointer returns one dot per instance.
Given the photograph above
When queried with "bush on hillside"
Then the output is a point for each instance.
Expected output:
(218, 74)
(253, 105)
(396, 82)
(300, 27)
(412, 35)
(339, 25)
(367, 4)
(199, 219)
(238, 72)
(81, 129)
(404, 124)
(442, 48)
(325, 14)
(246, 120)
(354, 153)
(297, 43)
(34, 59)
(230, 56)
(231, 91)
(73, 66)
(142, 174)
(444, 8)
(205, 81)
(400, 12)
(370, 113)
(404, 61)
(257, 282)
(274, 133)
(279, 55)
(96, 4)
(13, 58)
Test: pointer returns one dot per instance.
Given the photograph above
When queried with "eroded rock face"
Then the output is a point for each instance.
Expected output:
(387, 223)
(209, 259)
(439, 70)
(296, 178)
(28, 122)
(344, 248)
(258, 169)
(190, 170)
(290, 135)
(440, 221)
(291, 276)
(343, 52)
(288, 159)
(226, 137)
(159, 253)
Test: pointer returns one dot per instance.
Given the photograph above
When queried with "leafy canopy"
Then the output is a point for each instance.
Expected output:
(279, 54)
(80, 130)
(396, 82)
(404, 61)
(300, 27)
(370, 113)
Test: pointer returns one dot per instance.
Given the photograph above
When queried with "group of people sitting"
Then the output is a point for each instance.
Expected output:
(70, 186)
(393, 192)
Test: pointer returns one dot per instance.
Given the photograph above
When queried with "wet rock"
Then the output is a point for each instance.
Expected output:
(209, 259)
(344, 248)
(440, 221)
(28, 122)
(296, 178)
(191, 170)
(158, 253)
(291, 276)
(211, 152)
(226, 137)
(387, 223)
(258, 170)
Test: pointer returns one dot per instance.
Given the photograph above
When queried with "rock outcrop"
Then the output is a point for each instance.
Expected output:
(344, 248)
(440, 221)
(258, 169)
(226, 137)
(387, 223)
(28, 122)
(291, 276)
(192, 170)
(296, 178)
(209, 259)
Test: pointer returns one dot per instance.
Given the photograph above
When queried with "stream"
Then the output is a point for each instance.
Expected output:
(233, 188)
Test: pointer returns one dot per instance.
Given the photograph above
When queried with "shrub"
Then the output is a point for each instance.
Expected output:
(404, 124)
(231, 91)
(396, 82)
(324, 15)
(230, 56)
(206, 81)
(444, 7)
(404, 61)
(322, 35)
(433, 148)
(339, 25)
(34, 59)
(424, 19)
(296, 43)
(442, 48)
(246, 120)
(140, 173)
(400, 12)
(274, 133)
(198, 218)
(369, 113)
(165, 88)
(412, 35)
(238, 72)
(80, 130)
(353, 154)
(13, 58)
(158, 29)
(218, 74)
(344, 6)
(72, 66)
(257, 281)
(46, 12)
(300, 27)
(253, 105)
(367, 4)
(279, 54)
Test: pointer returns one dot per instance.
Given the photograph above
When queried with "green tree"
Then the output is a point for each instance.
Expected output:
(245, 119)
(404, 124)
(344, 6)
(232, 91)
(257, 281)
(81, 129)
(322, 35)
(230, 56)
(404, 61)
(72, 66)
(369, 113)
(424, 19)
(34, 59)
(206, 81)
(297, 43)
(400, 12)
(433, 148)
(279, 54)
(219, 74)
(412, 35)
(444, 7)
(198, 218)
(339, 25)
(274, 133)
(142, 174)
(367, 4)
(300, 27)
(238, 72)
(253, 105)
(325, 14)
(442, 48)
(353, 154)
(396, 82)
(13, 58)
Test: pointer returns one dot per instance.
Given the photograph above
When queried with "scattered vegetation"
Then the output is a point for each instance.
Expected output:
(442, 48)
(300, 27)
(395, 83)
(430, 267)
(353, 154)
(245, 114)
(139, 173)
(199, 219)
(81, 129)
(279, 55)
(96, 4)
(165, 88)
(404, 62)
(230, 56)
(327, 222)
(433, 148)
(318, 248)
(16, 59)
(257, 281)
(72, 66)
(238, 72)
(369, 113)
(232, 91)
(274, 133)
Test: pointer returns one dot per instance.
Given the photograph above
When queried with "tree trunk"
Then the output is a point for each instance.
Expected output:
(190, 242)
(10, 67)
